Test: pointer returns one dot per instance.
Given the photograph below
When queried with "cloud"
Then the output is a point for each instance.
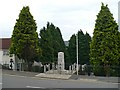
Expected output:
(68, 15)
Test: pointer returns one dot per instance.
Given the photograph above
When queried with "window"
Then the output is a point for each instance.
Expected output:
(5, 53)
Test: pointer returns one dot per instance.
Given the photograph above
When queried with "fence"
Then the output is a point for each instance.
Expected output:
(99, 70)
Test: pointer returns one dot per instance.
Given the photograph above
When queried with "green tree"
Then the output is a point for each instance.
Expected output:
(46, 46)
(83, 48)
(87, 47)
(72, 49)
(51, 42)
(104, 48)
(25, 43)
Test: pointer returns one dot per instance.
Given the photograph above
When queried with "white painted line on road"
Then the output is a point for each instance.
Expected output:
(88, 80)
(33, 87)
(0, 83)
(15, 75)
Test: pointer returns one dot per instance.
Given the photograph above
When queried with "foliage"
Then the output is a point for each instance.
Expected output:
(87, 47)
(25, 38)
(104, 48)
(83, 48)
(51, 42)
(72, 49)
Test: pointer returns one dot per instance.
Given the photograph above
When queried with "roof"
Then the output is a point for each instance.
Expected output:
(5, 43)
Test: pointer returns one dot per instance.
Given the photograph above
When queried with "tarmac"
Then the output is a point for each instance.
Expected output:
(63, 76)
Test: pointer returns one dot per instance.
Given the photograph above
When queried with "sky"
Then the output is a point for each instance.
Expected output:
(69, 15)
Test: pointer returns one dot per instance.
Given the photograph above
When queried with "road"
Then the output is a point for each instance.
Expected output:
(14, 81)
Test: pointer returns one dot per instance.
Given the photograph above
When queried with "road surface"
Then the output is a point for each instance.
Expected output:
(14, 81)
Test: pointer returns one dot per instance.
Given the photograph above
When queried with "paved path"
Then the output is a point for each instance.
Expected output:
(20, 73)
(98, 78)
(53, 76)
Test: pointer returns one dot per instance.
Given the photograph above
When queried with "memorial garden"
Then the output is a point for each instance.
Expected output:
(98, 55)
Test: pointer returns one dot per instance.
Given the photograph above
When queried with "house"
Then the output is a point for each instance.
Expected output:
(5, 58)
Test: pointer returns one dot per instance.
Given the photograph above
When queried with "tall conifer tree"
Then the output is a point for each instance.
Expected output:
(83, 48)
(72, 49)
(51, 42)
(104, 48)
(25, 38)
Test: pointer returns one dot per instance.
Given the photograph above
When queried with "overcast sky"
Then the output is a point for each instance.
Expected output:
(69, 15)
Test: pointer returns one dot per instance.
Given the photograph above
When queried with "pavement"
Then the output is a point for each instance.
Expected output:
(96, 78)
(19, 73)
(53, 76)
(63, 76)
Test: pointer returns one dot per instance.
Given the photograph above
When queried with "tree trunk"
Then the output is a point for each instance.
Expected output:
(107, 70)
(29, 66)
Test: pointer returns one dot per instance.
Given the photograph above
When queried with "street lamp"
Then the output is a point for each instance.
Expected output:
(77, 51)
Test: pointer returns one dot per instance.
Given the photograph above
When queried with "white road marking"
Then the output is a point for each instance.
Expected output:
(33, 87)
(15, 75)
(94, 80)
(0, 83)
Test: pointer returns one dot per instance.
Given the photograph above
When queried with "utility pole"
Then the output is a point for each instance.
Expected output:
(119, 16)
(77, 51)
